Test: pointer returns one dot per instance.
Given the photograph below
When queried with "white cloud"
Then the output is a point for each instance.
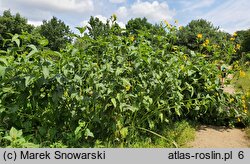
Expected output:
(121, 24)
(155, 11)
(35, 23)
(122, 12)
(117, 1)
(103, 19)
(231, 16)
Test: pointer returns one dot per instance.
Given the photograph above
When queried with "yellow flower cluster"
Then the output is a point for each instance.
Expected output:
(237, 47)
(132, 38)
(242, 73)
(206, 43)
(199, 36)
(243, 98)
(181, 27)
(231, 100)
(232, 39)
(127, 87)
(234, 36)
(216, 46)
(167, 24)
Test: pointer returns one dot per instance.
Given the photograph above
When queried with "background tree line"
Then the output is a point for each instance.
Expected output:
(58, 34)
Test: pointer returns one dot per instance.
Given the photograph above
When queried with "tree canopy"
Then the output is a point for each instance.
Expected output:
(56, 32)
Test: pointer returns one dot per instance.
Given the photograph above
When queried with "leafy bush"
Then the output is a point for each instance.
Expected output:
(113, 88)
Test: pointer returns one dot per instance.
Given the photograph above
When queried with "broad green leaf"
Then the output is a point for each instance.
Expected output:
(28, 80)
(2, 71)
(43, 42)
(33, 51)
(88, 133)
(4, 60)
(14, 133)
(45, 72)
(7, 89)
(118, 71)
(16, 40)
(113, 102)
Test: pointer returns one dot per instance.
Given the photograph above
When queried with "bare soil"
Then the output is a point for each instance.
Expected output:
(219, 137)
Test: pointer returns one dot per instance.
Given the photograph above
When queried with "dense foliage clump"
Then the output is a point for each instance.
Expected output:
(114, 88)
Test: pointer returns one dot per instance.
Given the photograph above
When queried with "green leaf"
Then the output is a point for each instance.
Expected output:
(45, 72)
(81, 29)
(118, 71)
(2, 71)
(124, 132)
(161, 117)
(43, 42)
(113, 102)
(14, 133)
(28, 80)
(16, 40)
(4, 60)
(88, 133)
(34, 50)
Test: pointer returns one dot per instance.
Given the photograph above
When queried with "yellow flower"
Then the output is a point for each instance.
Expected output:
(237, 46)
(185, 57)
(238, 119)
(207, 41)
(167, 24)
(232, 39)
(127, 88)
(181, 27)
(245, 111)
(235, 34)
(132, 38)
(242, 73)
(182, 67)
(243, 97)
(199, 36)
(231, 100)
(248, 94)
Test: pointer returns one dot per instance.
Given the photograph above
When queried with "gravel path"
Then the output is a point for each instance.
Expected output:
(219, 137)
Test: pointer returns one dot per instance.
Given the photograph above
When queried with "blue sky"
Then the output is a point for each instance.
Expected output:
(229, 15)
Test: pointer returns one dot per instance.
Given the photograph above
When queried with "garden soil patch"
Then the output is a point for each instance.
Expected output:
(219, 137)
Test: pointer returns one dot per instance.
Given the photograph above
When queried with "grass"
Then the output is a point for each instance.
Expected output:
(177, 134)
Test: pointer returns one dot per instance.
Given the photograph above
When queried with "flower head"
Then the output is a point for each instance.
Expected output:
(199, 36)
(242, 73)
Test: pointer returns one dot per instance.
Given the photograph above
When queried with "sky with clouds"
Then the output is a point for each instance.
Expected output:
(229, 15)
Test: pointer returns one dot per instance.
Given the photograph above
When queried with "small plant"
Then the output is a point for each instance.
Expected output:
(15, 140)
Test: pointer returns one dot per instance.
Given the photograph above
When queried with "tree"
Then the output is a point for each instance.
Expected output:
(135, 25)
(56, 32)
(244, 36)
(188, 34)
(98, 28)
(12, 24)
